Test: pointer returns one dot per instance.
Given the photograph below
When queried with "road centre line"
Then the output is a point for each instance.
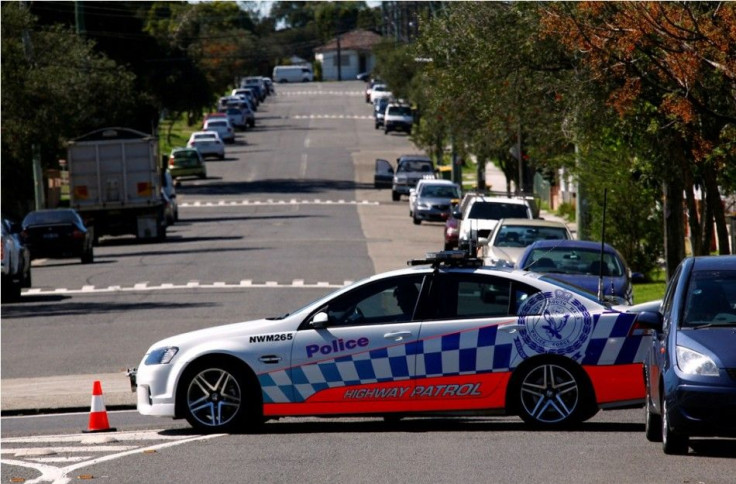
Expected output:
(143, 286)
(270, 202)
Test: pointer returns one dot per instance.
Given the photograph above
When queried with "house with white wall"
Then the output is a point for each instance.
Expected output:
(356, 55)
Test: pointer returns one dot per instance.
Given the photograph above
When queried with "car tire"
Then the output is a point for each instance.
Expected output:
(417, 221)
(448, 246)
(652, 421)
(88, 256)
(673, 443)
(216, 396)
(11, 291)
(552, 393)
(221, 157)
(378, 125)
(395, 196)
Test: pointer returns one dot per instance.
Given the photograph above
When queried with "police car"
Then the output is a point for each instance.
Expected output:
(443, 336)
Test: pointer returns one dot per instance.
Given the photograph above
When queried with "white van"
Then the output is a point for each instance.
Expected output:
(292, 74)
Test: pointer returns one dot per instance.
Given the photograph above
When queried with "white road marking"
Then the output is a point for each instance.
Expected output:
(58, 475)
(168, 286)
(270, 202)
(303, 167)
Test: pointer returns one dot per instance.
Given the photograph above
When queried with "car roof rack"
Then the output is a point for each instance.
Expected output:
(450, 258)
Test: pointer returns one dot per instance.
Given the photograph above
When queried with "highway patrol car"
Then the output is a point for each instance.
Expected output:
(444, 336)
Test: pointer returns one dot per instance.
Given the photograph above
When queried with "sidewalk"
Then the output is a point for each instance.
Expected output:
(67, 392)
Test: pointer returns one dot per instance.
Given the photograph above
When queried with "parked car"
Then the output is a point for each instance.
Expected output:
(481, 213)
(580, 262)
(187, 162)
(16, 261)
(452, 229)
(57, 234)
(236, 117)
(168, 195)
(431, 200)
(379, 91)
(511, 236)
(379, 111)
(398, 117)
(409, 170)
(444, 335)
(222, 127)
(363, 76)
(690, 368)
(208, 143)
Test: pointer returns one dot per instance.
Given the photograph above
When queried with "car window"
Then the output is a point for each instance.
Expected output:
(522, 236)
(412, 166)
(385, 301)
(464, 296)
(497, 210)
(440, 191)
(710, 298)
(571, 260)
(49, 217)
(399, 110)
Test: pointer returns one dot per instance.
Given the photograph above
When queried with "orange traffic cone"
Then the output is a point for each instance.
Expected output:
(97, 414)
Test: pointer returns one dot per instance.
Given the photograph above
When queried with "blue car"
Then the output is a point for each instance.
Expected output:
(578, 262)
(690, 369)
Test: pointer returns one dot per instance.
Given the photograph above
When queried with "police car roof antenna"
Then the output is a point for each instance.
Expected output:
(603, 241)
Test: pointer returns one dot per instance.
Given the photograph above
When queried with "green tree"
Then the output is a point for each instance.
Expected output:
(55, 87)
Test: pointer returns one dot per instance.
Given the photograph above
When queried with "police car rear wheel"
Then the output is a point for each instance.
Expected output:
(552, 394)
(214, 398)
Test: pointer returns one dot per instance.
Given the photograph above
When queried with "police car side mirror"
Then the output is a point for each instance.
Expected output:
(457, 214)
(319, 320)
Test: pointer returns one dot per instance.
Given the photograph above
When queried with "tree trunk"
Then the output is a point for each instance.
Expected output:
(692, 211)
(716, 208)
(674, 249)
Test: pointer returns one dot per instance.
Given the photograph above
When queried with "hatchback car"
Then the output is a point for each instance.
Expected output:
(580, 262)
(222, 127)
(690, 369)
(444, 336)
(187, 162)
(511, 236)
(57, 234)
(431, 200)
(208, 143)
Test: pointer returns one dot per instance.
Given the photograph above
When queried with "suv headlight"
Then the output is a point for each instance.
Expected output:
(693, 363)
(161, 356)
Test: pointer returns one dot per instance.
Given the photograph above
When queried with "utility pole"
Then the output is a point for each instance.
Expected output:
(339, 59)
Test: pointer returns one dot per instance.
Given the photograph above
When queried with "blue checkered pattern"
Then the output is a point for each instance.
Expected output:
(479, 350)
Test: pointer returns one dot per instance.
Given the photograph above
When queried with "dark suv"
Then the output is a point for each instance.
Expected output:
(409, 170)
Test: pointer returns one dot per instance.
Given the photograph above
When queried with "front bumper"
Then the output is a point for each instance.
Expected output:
(398, 126)
(433, 214)
(155, 394)
(703, 410)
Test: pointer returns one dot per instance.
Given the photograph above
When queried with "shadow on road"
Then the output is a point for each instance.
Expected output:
(280, 186)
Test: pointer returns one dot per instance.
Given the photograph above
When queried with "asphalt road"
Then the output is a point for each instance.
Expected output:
(288, 216)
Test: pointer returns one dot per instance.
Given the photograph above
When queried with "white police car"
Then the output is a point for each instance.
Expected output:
(443, 336)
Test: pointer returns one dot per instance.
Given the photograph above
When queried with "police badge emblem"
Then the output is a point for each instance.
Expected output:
(554, 322)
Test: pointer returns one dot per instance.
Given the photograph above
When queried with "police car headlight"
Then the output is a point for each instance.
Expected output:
(161, 356)
(694, 363)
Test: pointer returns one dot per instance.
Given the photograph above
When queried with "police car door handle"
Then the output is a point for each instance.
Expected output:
(270, 359)
(398, 335)
(510, 328)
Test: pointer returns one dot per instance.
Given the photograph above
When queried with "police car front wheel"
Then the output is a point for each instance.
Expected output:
(215, 398)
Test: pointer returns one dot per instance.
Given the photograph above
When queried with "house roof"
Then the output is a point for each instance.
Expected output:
(354, 40)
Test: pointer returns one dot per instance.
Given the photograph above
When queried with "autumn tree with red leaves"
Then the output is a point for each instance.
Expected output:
(676, 62)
